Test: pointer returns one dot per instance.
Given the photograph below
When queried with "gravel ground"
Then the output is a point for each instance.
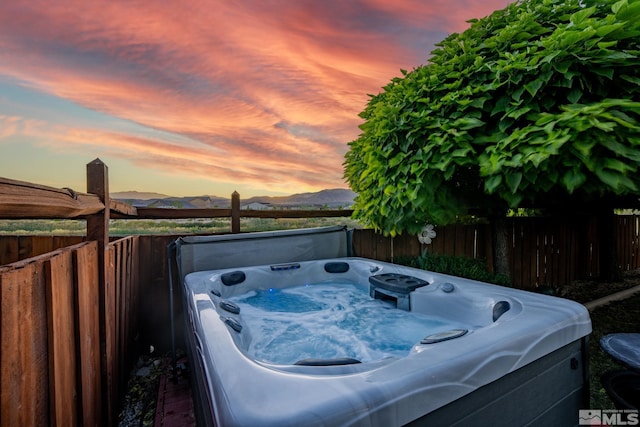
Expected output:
(139, 406)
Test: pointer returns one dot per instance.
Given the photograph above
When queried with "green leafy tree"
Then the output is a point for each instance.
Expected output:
(536, 105)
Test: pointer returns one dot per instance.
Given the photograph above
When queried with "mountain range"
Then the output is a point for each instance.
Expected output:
(332, 198)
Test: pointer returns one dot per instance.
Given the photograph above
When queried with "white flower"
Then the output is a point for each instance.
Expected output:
(427, 235)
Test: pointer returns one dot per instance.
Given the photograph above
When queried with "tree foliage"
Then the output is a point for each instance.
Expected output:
(536, 104)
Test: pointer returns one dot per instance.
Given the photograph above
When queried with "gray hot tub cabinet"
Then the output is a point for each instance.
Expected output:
(546, 392)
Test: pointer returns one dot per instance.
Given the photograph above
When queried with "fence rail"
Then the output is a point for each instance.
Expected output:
(21, 200)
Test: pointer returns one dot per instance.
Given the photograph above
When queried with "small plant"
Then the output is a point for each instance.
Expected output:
(469, 268)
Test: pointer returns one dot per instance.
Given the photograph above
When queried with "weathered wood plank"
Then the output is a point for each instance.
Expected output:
(460, 240)
(86, 266)
(23, 347)
(63, 397)
(363, 243)
(406, 245)
(450, 241)
(487, 246)
(9, 249)
(124, 209)
(515, 245)
(154, 309)
(19, 199)
(108, 322)
(531, 255)
(168, 213)
(16, 248)
(437, 245)
(235, 212)
(383, 245)
(636, 243)
(98, 231)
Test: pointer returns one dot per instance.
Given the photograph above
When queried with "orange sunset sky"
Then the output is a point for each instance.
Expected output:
(203, 97)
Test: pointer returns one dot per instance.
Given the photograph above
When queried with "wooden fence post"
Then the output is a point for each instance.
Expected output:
(235, 212)
(98, 230)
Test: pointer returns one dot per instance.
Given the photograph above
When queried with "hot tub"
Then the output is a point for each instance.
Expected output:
(493, 356)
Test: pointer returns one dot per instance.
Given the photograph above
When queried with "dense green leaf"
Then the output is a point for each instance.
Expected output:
(573, 179)
(534, 86)
(492, 182)
(539, 97)
(580, 16)
(513, 181)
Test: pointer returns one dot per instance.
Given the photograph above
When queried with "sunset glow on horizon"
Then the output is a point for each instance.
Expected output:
(203, 97)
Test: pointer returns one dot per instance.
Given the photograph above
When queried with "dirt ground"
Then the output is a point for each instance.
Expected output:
(584, 291)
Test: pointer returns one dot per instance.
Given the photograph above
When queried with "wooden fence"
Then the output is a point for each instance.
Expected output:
(542, 251)
(52, 334)
(73, 317)
(69, 316)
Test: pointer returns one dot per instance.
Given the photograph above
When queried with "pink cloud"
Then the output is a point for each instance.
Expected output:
(265, 92)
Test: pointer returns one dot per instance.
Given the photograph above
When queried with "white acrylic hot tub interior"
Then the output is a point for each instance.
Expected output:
(331, 320)
(390, 390)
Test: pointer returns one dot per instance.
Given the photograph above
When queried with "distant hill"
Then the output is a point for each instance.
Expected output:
(332, 199)
(138, 195)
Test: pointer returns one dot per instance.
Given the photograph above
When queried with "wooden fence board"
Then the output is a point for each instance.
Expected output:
(545, 251)
(560, 247)
(9, 249)
(110, 356)
(26, 200)
(594, 256)
(39, 245)
(470, 249)
(487, 245)
(449, 241)
(90, 386)
(153, 309)
(120, 310)
(461, 241)
(115, 249)
(405, 245)
(134, 302)
(362, 242)
(17, 248)
(63, 396)
(384, 247)
(635, 262)
(23, 347)
(515, 236)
